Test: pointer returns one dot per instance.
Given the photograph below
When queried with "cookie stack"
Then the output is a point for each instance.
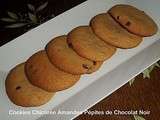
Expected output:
(82, 51)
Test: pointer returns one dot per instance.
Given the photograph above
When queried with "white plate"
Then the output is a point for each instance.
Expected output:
(115, 72)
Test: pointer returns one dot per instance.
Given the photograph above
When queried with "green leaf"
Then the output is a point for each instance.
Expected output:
(16, 25)
(131, 81)
(32, 17)
(146, 73)
(31, 7)
(8, 20)
(52, 15)
(157, 65)
(41, 7)
(13, 15)
(136, 117)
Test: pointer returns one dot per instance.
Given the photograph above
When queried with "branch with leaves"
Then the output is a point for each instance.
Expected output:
(27, 19)
(137, 117)
(146, 73)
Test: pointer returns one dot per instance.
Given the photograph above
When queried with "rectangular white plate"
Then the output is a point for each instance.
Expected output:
(114, 73)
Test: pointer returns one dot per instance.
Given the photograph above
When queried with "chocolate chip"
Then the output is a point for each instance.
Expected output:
(18, 87)
(85, 66)
(94, 62)
(70, 45)
(117, 17)
(128, 23)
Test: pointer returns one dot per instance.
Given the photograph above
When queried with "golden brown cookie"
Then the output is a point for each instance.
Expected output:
(21, 92)
(42, 73)
(111, 32)
(66, 59)
(134, 20)
(88, 45)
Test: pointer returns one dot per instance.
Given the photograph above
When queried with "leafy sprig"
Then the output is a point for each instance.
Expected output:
(137, 117)
(146, 73)
(26, 19)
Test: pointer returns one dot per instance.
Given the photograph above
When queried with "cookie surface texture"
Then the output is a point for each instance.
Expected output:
(21, 92)
(96, 67)
(134, 20)
(65, 58)
(111, 32)
(88, 45)
(42, 73)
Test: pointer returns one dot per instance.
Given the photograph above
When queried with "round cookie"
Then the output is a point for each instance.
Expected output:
(134, 20)
(88, 45)
(42, 73)
(21, 92)
(111, 32)
(66, 59)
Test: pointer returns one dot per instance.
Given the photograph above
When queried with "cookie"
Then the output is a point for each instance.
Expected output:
(134, 20)
(21, 92)
(65, 58)
(88, 45)
(42, 73)
(105, 27)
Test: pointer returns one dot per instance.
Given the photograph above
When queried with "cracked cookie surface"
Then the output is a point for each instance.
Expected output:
(111, 32)
(42, 73)
(134, 20)
(88, 45)
(21, 92)
(65, 58)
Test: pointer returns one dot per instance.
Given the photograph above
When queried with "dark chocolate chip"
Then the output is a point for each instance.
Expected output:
(128, 23)
(70, 45)
(18, 87)
(117, 17)
(94, 62)
(85, 66)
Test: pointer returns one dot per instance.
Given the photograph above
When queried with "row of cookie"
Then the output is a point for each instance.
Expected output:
(98, 42)
(34, 82)
(65, 58)
(42, 72)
